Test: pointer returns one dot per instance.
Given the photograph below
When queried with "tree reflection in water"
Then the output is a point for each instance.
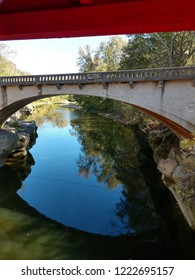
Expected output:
(111, 152)
(118, 160)
(104, 146)
(50, 113)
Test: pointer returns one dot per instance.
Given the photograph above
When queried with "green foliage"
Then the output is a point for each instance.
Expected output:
(49, 113)
(109, 54)
(93, 103)
(105, 58)
(155, 50)
(8, 68)
(187, 144)
(86, 61)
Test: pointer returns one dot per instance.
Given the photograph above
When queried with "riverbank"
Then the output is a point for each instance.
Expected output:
(175, 160)
(16, 138)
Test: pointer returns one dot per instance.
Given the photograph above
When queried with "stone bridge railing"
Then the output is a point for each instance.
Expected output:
(162, 74)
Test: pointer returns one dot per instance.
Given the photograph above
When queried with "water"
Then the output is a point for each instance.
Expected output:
(93, 193)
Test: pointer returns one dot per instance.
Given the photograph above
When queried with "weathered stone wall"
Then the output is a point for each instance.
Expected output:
(176, 162)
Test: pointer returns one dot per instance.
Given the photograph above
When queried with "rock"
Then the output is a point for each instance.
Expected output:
(16, 125)
(16, 140)
(167, 166)
(8, 143)
(20, 153)
(28, 109)
(29, 128)
(23, 141)
(23, 112)
(175, 159)
(188, 164)
(174, 153)
(180, 175)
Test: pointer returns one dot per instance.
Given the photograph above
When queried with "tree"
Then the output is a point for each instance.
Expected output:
(155, 50)
(105, 58)
(167, 49)
(8, 68)
(109, 54)
(5, 51)
(87, 60)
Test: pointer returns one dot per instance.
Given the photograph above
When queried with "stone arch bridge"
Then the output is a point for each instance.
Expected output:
(166, 93)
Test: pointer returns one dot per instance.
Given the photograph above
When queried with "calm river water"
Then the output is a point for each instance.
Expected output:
(90, 191)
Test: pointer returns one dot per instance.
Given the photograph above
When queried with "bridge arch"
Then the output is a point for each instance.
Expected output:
(11, 109)
(167, 94)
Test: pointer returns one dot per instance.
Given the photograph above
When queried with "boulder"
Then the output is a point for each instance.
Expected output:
(29, 128)
(23, 112)
(180, 175)
(8, 143)
(16, 140)
(188, 163)
(167, 166)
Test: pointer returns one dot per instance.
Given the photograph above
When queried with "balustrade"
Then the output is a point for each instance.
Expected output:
(103, 77)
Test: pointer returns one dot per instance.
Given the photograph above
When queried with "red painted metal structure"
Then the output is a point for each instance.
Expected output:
(28, 19)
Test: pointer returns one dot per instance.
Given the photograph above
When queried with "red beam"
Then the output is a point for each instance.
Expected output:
(100, 18)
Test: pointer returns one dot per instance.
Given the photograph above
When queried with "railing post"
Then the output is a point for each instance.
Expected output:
(161, 74)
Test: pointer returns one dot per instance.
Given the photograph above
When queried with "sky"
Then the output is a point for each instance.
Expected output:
(50, 56)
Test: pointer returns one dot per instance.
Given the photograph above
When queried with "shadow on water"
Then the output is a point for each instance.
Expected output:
(183, 238)
(27, 234)
(159, 230)
(146, 206)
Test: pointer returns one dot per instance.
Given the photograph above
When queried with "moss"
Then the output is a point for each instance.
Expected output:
(187, 144)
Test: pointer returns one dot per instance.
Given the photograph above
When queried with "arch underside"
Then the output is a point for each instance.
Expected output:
(177, 128)
(9, 110)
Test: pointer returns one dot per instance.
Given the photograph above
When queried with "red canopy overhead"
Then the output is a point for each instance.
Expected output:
(30, 19)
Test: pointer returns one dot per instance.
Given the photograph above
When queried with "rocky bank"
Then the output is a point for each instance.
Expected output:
(175, 159)
(16, 138)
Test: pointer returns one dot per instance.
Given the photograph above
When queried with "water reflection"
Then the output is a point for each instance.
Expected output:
(26, 234)
(49, 113)
(94, 193)
(111, 152)
(108, 149)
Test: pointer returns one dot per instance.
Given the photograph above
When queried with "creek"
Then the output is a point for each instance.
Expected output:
(94, 192)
